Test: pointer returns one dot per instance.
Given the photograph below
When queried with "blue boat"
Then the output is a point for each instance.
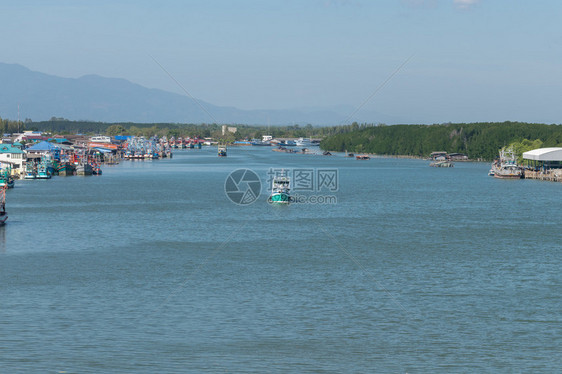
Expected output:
(287, 143)
(261, 143)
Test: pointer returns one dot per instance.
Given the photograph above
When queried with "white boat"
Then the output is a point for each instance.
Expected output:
(303, 142)
(506, 167)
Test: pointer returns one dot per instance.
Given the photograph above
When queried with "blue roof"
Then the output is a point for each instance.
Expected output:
(8, 148)
(44, 146)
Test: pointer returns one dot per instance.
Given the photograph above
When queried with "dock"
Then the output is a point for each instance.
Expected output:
(553, 175)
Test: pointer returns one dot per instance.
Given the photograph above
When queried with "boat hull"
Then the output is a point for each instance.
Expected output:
(66, 170)
(84, 170)
(8, 184)
(507, 176)
(279, 198)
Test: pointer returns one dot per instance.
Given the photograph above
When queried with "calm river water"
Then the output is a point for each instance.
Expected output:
(150, 268)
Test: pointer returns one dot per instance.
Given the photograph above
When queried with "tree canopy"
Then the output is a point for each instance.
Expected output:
(477, 140)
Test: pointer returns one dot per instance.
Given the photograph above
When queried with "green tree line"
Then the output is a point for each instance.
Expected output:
(477, 140)
(65, 127)
(10, 127)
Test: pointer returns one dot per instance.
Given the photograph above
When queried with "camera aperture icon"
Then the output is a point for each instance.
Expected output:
(242, 186)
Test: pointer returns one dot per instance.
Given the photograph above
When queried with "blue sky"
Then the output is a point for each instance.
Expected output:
(473, 60)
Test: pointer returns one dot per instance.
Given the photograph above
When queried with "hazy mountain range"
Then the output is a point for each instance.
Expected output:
(92, 97)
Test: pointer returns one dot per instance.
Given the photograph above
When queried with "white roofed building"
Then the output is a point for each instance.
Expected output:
(550, 158)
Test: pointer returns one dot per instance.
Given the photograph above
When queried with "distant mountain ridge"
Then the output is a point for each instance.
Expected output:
(95, 98)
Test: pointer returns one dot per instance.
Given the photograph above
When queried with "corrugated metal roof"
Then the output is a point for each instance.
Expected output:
(8, 148)
(544, 154)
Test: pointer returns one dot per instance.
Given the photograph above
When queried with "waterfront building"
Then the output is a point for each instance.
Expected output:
(12, 155)
(545, 158)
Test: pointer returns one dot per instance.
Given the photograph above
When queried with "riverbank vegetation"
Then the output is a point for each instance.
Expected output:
(476, 140)
(65, 127)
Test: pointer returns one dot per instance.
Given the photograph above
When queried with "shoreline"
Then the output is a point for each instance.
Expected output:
(406, 157)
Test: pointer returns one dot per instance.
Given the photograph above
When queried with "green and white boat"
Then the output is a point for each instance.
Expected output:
(280, 190)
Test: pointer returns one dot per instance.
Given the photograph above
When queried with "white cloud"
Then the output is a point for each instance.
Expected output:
(465, 4)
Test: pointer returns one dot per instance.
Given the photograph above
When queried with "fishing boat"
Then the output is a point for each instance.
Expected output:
(66, 169)
(83, 166)
(506, 166)
(362, 157)
(3, 214)
(280, 190)
(42, 170)
(84, 169)
(30, 171)
(222, 150)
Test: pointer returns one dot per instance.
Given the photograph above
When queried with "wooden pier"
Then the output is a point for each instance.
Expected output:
(554, 175)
